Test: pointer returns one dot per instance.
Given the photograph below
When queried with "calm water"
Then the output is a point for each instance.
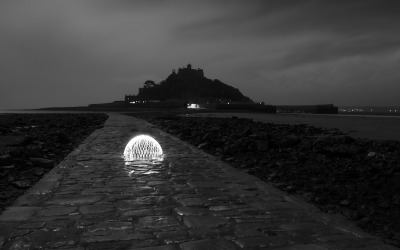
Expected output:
(381, 126)
(22, 111)
(380, 112)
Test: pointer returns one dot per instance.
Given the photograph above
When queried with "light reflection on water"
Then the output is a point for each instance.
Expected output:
(139, 168)
(143, 155)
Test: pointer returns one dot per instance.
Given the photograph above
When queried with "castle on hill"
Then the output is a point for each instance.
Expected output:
(188, 71)
(187, 87)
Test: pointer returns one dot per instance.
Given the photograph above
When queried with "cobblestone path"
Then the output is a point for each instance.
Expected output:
(93, 200)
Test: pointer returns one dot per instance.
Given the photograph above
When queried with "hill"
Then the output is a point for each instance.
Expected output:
(191, 85)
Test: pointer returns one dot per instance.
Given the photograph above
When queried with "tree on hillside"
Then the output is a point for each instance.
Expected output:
(149, 84)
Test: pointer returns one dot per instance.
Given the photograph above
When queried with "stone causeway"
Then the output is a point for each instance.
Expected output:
(191, 200)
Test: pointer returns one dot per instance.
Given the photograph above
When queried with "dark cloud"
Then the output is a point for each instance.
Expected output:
(335, 48)
(340, 28)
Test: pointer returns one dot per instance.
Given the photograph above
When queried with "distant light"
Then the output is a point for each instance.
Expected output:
(193, 106)
(143, 147)
(132, 102)
(228, 102)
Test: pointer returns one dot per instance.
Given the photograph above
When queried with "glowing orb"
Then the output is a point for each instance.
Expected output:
(143, 147)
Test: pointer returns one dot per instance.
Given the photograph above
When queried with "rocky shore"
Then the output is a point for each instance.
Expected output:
(31, 145)
(357, 178)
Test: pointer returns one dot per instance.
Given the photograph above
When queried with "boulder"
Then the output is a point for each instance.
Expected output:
(22, 183)
(202, 145)
(5, 159)
(42, 162)
(340, 150)
(246, 131)
(207, 137)
(290, 140)
(11, 140)
(33, 151)
(262, 145)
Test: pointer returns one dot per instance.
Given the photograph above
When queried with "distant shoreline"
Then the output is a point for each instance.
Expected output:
(358, 126)
(377, 126)
(85, 109)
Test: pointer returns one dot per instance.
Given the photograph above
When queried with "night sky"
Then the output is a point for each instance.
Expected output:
(77, 52)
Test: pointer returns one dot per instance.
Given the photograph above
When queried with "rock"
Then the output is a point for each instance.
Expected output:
(291, 140)
(363, 221)
(62, 137)
(10, 179)
(4, 130)
(340, 150)
(26, 140)
(17, 152)
(56, 211)
(347, 213)
(202, 145)
(290, 189)
(156, 222)
(38, 143)
(308, 196)
(42, 162)
(22, 183)
(220, 243)
(262, 145)
(5, 195)
(33, 151)
(384, 204)
(5, 159)
(207, 137)
(8, 167)
(246, 131)
(39, 172)
(371, 154)
(193, 221)
(396, 199)
(251, 147)
(11, 140)
(191, 211)
(344, 203)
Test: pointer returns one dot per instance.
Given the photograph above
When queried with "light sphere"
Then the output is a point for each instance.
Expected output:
(143, 147)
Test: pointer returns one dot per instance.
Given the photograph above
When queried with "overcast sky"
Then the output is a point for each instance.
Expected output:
(77, 52)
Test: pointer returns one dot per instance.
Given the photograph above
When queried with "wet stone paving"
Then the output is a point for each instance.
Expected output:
(190, 200)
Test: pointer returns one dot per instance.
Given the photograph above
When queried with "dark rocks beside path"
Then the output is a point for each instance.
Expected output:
(357, 178)
(31, 145)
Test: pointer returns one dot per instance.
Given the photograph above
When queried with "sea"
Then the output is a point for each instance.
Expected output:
(38, 111)
(390, 111)
(370, 110)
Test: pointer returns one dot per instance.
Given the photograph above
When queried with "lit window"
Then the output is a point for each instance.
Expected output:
(193, 106)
